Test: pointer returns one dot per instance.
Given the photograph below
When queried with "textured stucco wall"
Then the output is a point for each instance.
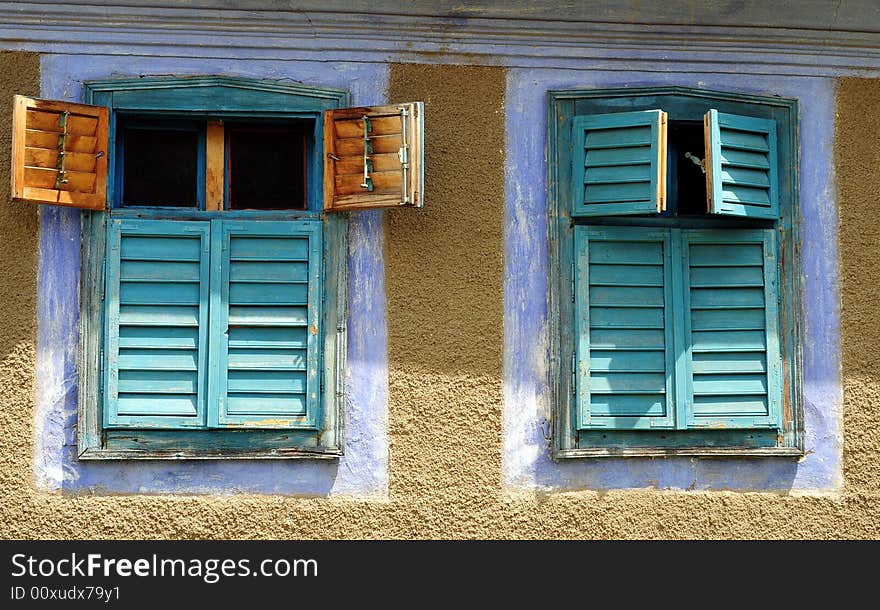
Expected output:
(857, 160)
(445, 345)
(19, 73)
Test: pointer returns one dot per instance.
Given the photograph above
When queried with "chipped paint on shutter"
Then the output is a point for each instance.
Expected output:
(732, 329)
(624, 322)
(619, 163)
(156, 323)
(741, 176)
(265, 322)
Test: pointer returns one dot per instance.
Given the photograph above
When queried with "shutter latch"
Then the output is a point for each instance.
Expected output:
(62, 141)
(403, 156)
(368, 150)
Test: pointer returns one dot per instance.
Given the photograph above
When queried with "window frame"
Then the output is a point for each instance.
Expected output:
(681, 103)
(211, 98)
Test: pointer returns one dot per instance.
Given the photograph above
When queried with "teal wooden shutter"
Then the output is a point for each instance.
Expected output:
(266, 324)
(624, 345)
(619, 163)
(156, 320)
(731, 329)
(741, 167)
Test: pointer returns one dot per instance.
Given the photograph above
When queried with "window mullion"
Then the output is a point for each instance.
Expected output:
(217, 327)
(678, 260)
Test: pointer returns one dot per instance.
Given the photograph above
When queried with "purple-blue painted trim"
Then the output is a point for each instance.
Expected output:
(527, 462)
(362, 471)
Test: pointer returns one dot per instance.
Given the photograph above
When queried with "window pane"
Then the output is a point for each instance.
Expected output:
(687, 182)
(267, 167)
(160, 167)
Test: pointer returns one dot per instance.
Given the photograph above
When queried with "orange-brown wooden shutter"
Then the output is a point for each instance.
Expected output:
(59, 153)
(374, 157)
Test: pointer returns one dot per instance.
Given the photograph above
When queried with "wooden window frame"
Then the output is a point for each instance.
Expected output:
(213, 98)
(681, 104)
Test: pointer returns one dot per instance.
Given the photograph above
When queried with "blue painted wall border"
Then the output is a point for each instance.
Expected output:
(527, 462)
(362, 471)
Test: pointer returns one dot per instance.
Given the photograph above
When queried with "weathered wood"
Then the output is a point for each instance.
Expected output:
(215, 146)
(383, 162)
(41, 177)
(394, 173)
(73, 161)
(383, 182)
(354, 147)
(706, 452)
(89, 365)
(19, 141)
(51, 121)
(379, 126)
(662, 153)
(49, 139)
(60, 153)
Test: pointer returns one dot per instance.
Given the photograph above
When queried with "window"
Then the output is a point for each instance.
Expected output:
(675, 298)
(214, 259)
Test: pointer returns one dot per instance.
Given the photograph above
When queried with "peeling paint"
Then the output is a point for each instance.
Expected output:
(527, 462)
(363, 468)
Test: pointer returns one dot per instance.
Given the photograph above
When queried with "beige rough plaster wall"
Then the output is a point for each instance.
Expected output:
(856, 161)
(19, 226)
(444, 279)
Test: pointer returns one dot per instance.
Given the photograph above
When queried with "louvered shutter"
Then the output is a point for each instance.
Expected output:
(156, 323)
(59, 153)
(265, 319)
(374, 157)
(732, 329)
(741, 165)
(624, 341)
(619, 163)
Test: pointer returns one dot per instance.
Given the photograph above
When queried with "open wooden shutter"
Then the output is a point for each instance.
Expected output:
(156, 325)
(624, 333)
(374, 157)
(731, 329)
(741, 165)
(59, 153)
(619, 163)
(265, 320)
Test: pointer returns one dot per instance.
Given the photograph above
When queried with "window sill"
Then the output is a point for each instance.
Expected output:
(206, 454)
(212, 445)
(654, 452)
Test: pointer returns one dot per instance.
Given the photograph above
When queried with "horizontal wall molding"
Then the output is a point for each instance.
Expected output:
(464, 37)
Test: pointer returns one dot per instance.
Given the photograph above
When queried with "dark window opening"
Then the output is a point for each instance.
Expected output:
(267, 166)
(160, 167)
(686, 181)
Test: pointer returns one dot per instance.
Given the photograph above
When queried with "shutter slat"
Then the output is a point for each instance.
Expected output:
(41, 157)
(159, 337)
(624, 345)
(39, 140)
(159, 271)
(266, 353)
(619, 163)
(733, 358)
(151, 407)
(646, 361)
(156, 344)
(741, 162)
